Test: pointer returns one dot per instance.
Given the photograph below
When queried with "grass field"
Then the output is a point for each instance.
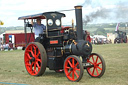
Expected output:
(12, 69)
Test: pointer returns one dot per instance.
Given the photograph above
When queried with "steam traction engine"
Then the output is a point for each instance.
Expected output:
(62, 49)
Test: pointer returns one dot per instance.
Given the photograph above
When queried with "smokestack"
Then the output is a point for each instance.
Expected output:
(79, 24)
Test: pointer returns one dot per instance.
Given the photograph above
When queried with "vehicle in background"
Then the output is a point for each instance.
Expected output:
(120, 36)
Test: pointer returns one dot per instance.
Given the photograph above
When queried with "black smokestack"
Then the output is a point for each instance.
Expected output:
(79, 24)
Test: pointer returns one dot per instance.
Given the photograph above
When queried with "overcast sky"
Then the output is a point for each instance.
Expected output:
(10, 10)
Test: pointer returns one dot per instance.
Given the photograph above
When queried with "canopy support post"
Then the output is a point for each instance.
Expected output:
(25, 30)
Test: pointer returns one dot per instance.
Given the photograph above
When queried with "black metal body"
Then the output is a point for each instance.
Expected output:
(59, 45)
(79, 24)
(68, 43)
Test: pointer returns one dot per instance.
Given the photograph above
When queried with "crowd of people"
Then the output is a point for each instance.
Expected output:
(4, 46)
(101, 41)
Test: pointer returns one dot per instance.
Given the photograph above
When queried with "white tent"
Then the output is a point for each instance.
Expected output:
(99, 36)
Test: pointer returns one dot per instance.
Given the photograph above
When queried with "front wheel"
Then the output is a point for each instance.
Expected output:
(98, 65)
(73, 68)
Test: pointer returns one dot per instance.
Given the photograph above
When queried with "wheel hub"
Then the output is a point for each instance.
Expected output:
(71, 69)
(32, 60)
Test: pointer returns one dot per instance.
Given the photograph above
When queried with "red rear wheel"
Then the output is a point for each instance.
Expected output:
(35, 59)
(98, 65)
(73, 68)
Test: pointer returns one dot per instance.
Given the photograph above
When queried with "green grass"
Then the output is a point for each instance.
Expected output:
(12, 68)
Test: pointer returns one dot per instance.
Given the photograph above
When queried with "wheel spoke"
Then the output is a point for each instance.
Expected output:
(38, 60)
(78, 69)
(35, 71)
(99, 63)
(31, 65)
(76, 64)
(73, 75)
(96, 59)
(37, 65)
(99, 67)
(38, 54)
(69, 63)
(34, 66)
(28, 50)
(97, 71)
(67, 67)
(73, 62)
(29, 56)
(69, 73)
(93, 71)
(32, 54)
(90, 62)
(35, 50)
(28, 64)
(76, 74)
(93, 59)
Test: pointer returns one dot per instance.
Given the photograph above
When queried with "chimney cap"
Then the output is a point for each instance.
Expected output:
(78, 7)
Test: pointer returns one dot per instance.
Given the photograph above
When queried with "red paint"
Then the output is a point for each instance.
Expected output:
(64, 28)
(33, 67)
(97, 69)
(54, 42)
(72, 63)
(20, 38)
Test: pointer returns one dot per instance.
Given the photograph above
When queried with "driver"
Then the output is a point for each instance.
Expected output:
(38, 27)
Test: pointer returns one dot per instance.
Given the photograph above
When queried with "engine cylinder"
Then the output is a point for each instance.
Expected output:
(81, 48)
